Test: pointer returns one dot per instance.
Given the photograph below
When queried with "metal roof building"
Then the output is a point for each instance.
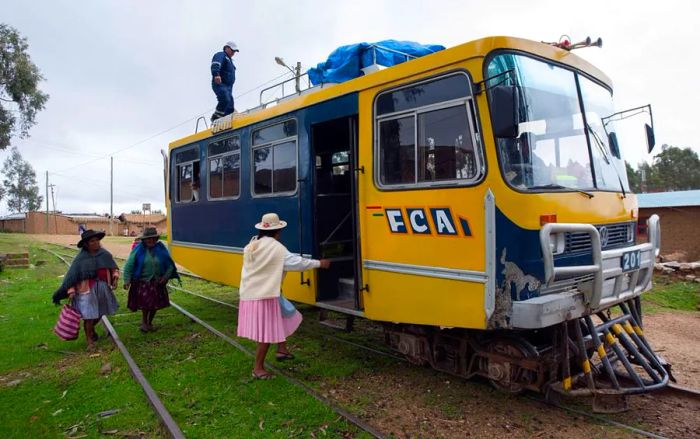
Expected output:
(669, 199)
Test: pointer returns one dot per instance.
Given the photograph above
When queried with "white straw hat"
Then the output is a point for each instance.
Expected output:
(270, 221)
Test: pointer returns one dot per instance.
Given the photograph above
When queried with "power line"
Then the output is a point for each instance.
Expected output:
(168, 129)
(44, 144)
(106, 183)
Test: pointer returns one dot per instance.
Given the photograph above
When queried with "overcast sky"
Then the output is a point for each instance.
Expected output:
(131, 76)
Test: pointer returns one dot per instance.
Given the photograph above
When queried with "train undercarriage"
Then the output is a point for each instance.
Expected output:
(604, 356)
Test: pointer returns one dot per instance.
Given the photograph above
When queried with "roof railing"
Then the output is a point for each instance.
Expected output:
(283, 86)
(298, 89)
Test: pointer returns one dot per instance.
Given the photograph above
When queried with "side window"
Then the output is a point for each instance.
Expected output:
(224, 157)
(187, 175)
(275, 159)
(426, 134)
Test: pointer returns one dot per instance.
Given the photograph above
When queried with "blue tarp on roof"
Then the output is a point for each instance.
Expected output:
(347, 62)
(669, 199)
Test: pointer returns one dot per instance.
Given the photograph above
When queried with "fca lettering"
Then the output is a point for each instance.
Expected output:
(443, 222)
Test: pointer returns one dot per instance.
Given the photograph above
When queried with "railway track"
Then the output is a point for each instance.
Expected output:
(67, 247)
(671, 389)
(158, 406)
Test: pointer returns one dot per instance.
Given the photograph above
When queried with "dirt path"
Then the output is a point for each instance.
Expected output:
(414, 402)
(674, 335)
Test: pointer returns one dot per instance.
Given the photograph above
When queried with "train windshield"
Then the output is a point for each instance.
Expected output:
(558, 146)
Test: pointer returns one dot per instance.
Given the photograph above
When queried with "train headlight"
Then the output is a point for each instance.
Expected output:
(557, 243)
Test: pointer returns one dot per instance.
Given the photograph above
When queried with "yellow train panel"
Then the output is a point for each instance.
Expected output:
(225, 268)
(396, 297)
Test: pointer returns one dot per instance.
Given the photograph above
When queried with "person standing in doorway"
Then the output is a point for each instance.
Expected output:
(223, 75)
(146, 273)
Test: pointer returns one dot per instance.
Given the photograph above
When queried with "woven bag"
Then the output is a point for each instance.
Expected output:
(68, 324)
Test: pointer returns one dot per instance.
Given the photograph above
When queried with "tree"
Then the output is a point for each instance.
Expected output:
(19, 78)
(20, 184)
(634, 178)
(676, 169)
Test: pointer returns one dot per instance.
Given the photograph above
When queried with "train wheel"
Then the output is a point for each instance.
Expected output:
(508, 376)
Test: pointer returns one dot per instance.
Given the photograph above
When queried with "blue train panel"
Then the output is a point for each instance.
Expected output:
(230, 223)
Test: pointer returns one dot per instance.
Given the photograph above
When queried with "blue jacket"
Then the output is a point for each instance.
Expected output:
(221, 65)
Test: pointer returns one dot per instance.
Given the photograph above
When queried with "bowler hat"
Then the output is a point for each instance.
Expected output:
(89, 233)
(150, 232)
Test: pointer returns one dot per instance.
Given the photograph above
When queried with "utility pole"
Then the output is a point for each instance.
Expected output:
(47, 202)
(111, 193)
(55, 223)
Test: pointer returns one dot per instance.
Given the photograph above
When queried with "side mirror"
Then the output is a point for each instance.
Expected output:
(505, 106)
(651, 140)
(614, 146)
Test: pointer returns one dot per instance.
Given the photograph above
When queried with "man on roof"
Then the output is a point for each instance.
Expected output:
(223, 75)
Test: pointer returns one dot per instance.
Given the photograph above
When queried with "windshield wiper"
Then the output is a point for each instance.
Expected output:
(558, 186)
(601, 147)
(599, 144)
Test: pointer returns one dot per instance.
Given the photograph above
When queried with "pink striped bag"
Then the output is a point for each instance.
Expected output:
(68, 325)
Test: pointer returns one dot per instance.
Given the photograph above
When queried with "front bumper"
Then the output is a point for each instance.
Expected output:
(575, 291)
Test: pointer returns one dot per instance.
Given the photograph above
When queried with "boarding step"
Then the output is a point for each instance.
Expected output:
(15, 260)
(334, 323)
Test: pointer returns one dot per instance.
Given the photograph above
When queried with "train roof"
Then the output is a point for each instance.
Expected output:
(474, 49)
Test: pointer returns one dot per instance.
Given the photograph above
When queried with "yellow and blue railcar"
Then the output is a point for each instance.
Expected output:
(475, 200)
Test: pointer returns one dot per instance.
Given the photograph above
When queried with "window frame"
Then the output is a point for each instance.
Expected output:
(272, 144)
(557, 63)
(222, 155)
(176, 197)
(470, 107)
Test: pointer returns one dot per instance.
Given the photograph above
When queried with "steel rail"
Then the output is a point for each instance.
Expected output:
(339, 410)
(165, 417)
(686, 391)
(592, 416)
(157, 404)
(670, 387)
(599, 418)
(182, 273)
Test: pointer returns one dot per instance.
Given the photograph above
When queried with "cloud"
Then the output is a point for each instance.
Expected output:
(121, 72)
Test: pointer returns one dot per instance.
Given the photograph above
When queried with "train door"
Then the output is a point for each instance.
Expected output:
(336, 232)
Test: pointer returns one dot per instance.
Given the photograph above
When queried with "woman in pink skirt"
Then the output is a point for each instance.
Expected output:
(260, 316)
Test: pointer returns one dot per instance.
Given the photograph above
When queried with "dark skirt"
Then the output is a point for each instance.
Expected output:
(147, 296)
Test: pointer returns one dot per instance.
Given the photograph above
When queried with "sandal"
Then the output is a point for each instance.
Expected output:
(263, 376)
(283, 356)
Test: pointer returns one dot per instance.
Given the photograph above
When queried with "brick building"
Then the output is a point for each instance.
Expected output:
(58, 223)
(133, 224)
(69, 224)
(680, 216)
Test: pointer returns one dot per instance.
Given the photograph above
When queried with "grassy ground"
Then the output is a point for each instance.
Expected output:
(52, 388)
(671, 294)
(13, 243)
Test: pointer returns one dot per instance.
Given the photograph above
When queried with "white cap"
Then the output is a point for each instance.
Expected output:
(232, 45)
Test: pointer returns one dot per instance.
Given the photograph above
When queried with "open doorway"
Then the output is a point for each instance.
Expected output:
(335, 225)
